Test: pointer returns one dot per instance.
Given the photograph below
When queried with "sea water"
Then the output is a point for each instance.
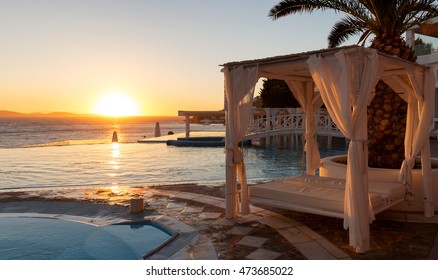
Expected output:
(77, 152)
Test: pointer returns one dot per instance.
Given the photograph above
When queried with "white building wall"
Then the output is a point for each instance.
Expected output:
(429, 60)
(432, 60)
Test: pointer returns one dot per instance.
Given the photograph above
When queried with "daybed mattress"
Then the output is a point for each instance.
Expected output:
(392, 190)
(323, 193)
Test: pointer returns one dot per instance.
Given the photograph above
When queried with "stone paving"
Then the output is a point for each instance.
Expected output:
(264, 234)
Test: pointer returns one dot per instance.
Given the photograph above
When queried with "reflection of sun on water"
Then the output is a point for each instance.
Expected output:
(116, 104)
(116, 150)
(114, 162)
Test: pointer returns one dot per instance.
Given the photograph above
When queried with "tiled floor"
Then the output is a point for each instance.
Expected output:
(308, 242)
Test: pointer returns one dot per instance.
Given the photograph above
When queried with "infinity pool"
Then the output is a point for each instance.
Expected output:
(42, 238)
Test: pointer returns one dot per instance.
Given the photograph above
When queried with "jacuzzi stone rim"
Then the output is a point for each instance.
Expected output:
(331, 168)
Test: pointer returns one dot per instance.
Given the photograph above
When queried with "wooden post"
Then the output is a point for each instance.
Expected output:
(429, 206)
(137, 205)
(187, 126)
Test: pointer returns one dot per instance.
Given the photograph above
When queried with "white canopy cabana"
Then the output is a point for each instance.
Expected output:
(345, 78)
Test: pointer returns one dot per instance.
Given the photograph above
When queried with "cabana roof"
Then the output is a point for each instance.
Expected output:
(296, 57)
(293, 66)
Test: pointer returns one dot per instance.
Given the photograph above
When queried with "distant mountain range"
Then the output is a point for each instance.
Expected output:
(12, 114)
(4, 113)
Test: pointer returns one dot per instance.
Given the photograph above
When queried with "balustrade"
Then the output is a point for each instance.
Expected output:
(276, 121)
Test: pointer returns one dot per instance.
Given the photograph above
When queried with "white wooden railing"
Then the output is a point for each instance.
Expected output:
(281, 121)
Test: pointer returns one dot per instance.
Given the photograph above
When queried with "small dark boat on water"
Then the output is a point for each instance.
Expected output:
(211, 141)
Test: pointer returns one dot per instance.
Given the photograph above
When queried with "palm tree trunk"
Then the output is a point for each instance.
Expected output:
(386, 128)
(387, 114)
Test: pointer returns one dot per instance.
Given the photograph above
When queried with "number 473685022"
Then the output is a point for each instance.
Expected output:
(271, 270)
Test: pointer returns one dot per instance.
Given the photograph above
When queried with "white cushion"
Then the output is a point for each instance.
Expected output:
(320, 197)
(323, 192)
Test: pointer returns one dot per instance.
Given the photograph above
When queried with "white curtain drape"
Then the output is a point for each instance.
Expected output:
(239, 91)
(310, 101)
(346, 83)
(420, 109)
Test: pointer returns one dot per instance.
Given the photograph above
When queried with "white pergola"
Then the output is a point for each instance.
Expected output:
(345, 79)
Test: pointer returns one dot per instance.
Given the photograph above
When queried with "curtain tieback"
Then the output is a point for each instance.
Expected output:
(360, 140)
(364, 142)
(409, 197)
(406, 178)
(237, 155)
(233, 192)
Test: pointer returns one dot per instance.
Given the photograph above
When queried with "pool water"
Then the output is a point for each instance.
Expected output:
(23, 238)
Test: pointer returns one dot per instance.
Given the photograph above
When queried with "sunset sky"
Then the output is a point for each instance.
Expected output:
(157, 56)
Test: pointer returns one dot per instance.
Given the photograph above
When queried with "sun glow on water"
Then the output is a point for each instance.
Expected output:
(116, 104)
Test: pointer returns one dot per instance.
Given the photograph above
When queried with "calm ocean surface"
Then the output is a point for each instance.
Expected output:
(76, 152)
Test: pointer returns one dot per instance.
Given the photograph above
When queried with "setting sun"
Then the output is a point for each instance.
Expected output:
(116, 104)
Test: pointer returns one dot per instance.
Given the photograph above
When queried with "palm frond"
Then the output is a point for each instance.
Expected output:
(288, 7)
(344, 29)
(380, 17)
(418, 12)
(365, 36)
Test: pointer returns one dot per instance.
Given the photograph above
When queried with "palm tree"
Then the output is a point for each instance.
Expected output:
(276, 94)
(387, 20)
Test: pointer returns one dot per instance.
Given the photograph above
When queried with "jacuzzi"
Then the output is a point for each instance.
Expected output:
(336, 167)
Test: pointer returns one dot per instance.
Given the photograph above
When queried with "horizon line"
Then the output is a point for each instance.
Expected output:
(8, 113)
